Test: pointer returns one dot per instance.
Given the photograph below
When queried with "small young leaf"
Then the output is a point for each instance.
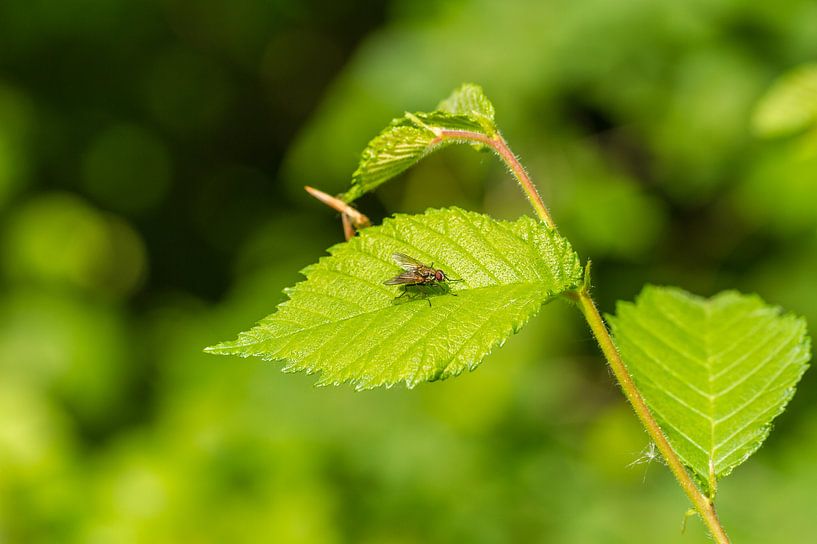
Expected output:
(790, 105)
(469, 100)
(344, 322)
(714, 372)
(409, 138)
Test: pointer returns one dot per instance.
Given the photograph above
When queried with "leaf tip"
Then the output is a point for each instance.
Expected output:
(212, 349)
(222, 348)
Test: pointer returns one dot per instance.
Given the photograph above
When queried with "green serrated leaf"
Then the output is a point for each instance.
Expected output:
(469, 100)
(409, 138)
(790, 105)
(714, 372)
(344, 322)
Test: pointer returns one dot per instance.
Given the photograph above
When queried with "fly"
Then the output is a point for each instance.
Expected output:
(416, 274)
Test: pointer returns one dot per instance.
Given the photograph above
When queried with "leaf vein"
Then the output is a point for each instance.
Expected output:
(661, 339)
(760, 366)
(455, 244)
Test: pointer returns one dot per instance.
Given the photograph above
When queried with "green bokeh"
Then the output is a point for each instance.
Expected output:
(152, 159)
(15, 131)
(126, 169)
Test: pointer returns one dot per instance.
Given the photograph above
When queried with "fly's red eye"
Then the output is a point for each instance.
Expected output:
(439, 275)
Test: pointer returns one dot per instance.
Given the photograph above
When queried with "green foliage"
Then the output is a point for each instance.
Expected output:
(344, 322)
(114, 426)
(469, 100)
(714, 372)
(790, 105)
(409, 138)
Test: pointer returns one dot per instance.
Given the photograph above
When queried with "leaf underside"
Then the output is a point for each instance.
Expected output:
(343, 322)
(409, 138)
(714, 372)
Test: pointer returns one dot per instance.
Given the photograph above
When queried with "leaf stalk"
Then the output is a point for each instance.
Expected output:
(498, 144)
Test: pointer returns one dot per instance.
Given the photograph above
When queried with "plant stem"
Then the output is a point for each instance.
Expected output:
(500, 146)
(351, 218)
(702, 503)
(502, 149)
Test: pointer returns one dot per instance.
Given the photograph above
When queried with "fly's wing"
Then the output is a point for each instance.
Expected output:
(406, 278)
(407, 263)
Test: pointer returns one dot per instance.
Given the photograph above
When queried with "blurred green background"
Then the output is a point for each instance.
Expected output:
(152, 158)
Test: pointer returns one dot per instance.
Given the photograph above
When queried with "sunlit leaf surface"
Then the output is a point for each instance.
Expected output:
(715, 372)
(409, 138)
(344, 322)
(469, 100)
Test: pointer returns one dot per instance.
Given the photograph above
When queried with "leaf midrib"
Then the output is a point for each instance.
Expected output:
(712, 398)
(237, 345)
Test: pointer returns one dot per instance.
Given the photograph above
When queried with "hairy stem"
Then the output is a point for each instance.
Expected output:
(521, 175)
(702, 503)
(500, 147)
